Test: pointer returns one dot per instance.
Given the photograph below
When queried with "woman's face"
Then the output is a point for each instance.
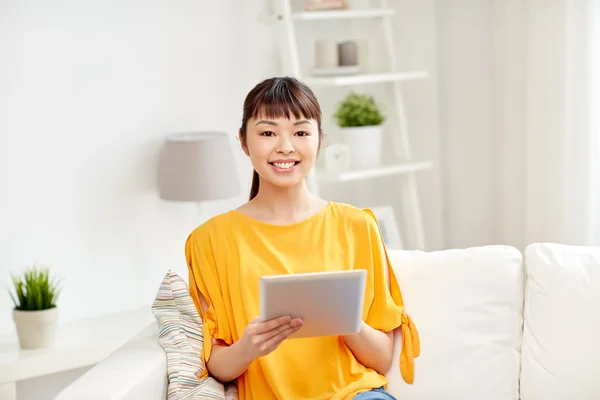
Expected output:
(282, 150)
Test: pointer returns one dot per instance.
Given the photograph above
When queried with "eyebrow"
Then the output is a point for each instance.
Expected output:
(304, 121)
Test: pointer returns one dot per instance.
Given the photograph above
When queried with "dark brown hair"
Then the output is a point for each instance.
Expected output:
(279, 97)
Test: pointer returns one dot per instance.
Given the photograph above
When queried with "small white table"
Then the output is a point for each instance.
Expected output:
(79, 343)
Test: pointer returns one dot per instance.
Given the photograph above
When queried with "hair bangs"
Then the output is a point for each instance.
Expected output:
(284, 100)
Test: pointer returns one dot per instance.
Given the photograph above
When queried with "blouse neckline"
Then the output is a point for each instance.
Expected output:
(319, 214)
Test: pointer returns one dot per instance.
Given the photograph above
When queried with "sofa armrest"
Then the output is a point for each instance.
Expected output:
(137, 370)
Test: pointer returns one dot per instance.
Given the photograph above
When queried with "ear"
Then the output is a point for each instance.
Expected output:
(243, 143)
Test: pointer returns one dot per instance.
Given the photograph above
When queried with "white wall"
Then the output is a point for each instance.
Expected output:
(88, 93)
(466, 87)
(417, 48)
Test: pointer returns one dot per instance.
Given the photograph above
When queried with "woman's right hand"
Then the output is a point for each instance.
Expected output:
(261, 338)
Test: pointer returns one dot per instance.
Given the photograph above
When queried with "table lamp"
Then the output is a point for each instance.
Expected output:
(196, 167)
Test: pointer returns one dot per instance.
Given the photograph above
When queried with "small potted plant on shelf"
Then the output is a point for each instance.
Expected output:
(35, 313)
(360, 120)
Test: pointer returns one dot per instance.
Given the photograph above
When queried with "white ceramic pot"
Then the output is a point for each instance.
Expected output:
(36, 329)
(364, 145)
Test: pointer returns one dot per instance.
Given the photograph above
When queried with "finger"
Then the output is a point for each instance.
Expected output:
(280, 337)
(271, 324)
(285, 332)
(265, 337)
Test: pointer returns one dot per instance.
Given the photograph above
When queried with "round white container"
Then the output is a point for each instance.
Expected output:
(36, 329)
(365, 145)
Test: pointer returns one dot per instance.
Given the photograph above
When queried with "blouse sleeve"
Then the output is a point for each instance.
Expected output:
(204, 282)
(386, 311)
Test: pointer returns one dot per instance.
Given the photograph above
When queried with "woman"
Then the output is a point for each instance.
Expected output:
(285, 229)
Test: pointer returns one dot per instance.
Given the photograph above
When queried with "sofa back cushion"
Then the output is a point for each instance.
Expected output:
(561, 339)
(467, 306)
(180, 335)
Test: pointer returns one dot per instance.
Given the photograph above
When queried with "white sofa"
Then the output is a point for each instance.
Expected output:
(494, 325)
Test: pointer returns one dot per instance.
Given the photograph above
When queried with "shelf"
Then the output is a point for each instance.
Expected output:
(326, 15)
(79, 343)
(365, 78)
(353, 175)
(342, 14)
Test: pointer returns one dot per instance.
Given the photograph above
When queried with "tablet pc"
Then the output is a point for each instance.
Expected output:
(330, 303)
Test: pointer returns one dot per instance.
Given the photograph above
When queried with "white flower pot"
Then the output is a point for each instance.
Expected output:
(36, 329)
(364, 145)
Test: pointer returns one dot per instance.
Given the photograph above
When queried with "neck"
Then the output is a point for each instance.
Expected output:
(284, 201)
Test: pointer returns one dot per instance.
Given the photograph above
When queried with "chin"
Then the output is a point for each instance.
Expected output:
(285, 183)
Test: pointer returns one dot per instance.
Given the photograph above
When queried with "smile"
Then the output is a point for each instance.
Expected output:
(286, 166)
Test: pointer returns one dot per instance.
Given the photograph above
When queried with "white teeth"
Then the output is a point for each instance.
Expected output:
(284, 165)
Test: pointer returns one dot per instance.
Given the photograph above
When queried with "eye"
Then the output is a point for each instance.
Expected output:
(302, 133)
(267, 133)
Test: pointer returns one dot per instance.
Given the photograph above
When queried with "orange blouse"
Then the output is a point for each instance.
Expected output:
(229, 253)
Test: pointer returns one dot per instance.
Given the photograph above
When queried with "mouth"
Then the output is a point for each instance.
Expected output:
(284, 166)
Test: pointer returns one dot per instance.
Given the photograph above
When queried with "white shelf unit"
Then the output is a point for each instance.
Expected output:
(285, 20)
(342, 14)
(386, 170)
(364, 79)
(325, 15)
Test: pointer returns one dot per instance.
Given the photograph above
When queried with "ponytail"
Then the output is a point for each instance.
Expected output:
(255, 185)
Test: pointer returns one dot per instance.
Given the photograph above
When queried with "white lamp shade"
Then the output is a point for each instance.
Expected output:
(197, 166)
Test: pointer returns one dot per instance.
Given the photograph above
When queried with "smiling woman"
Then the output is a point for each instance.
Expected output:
(285, 229)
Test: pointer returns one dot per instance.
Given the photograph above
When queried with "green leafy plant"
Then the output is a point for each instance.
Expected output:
(358, 110)
(35, 290)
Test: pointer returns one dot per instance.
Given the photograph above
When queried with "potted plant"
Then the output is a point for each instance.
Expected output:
(35, 313)
(360, 120)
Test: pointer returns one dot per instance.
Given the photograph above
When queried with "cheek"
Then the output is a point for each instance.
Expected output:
(256, 148)
(311, 147)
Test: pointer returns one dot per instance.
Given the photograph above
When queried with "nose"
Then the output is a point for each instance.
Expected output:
(284, 146)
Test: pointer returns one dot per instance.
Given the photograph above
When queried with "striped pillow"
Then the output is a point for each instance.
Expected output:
(181, 338)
